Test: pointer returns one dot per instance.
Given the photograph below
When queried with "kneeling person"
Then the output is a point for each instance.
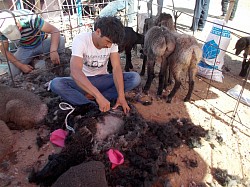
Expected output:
(30, 32)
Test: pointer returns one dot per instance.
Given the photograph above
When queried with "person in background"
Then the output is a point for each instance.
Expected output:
(90, 86)
(29, 31)
(224, 7)
(200, 15)
(159, 7)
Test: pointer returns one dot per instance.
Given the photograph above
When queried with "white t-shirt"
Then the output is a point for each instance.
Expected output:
(94, 60)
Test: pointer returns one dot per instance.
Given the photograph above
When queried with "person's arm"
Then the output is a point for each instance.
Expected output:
(119, 83)
(4, 45)
(83, 82)
(55, 38)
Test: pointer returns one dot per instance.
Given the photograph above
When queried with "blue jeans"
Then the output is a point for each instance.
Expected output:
(25, 56)
(200, 14)
(70, 92)
(224, 6)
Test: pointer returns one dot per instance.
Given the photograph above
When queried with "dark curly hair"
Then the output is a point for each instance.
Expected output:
(110, 27)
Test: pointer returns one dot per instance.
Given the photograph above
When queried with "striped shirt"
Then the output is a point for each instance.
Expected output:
(31, 24)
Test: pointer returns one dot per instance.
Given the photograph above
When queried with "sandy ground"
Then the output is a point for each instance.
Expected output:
(227, 122)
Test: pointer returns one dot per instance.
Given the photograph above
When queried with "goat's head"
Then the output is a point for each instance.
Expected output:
(165, 20)
(241, 45)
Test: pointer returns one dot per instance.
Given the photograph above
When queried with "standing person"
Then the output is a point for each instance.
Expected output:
(200, 14)
(30, 32)
(88, 65)
(224, 7)
(159, 7)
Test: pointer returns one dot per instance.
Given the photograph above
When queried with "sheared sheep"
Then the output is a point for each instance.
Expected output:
(163, 19)
(185, 55)
(243, 44)
(20, 109)
(184, 58)
(159, 44)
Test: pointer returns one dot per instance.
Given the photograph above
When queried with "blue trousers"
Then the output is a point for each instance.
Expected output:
(25, 56)
(224, 7)
(70, 92)
(200, 14)
(159, 7)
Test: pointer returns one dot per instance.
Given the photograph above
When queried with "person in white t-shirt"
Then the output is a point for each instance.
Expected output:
(88, 66)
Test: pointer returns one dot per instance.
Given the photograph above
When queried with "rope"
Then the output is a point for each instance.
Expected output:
(66, 106)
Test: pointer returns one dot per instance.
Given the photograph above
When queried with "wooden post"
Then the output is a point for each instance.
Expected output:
(38, 6)
(229, 10)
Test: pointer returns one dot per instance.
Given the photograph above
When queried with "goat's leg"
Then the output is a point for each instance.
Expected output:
(245, 66)
(168, 78)
(163, 75)
(129, 64)
(144, 65)
(177, 85)
(151, 75)
(191, 74)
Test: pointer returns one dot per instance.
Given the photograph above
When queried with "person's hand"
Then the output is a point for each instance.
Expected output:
(26, 68)
(54, 57)
(104, 104)
(122, 102)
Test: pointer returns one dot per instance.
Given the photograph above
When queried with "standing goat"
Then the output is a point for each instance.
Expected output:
(243, 44)
(163, 19)
(159, 44)
(131, 38)
(185, 58)
(181, 52)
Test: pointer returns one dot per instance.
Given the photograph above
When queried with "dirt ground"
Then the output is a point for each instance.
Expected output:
(222, 160)
(226, 149)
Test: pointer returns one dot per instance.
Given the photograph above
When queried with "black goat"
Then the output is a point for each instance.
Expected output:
(243, 44)
(131, 38)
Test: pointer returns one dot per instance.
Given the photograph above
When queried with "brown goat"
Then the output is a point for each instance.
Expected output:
(184, 58)
(159, 44)
(164, 20)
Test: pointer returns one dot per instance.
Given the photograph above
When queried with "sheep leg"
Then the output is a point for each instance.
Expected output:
(129, 64)
(144, 65)
(151, 75)
(177, 84)
(168, 78)
(245, 66)
(191, 74)
(163, 76)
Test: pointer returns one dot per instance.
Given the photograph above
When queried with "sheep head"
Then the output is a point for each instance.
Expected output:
(165, 20)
